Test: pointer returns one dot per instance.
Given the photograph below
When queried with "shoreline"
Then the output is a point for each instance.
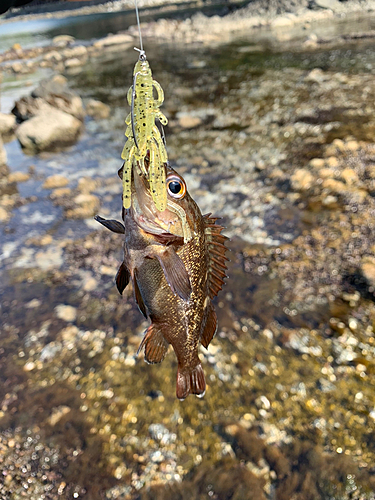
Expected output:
(280, 14)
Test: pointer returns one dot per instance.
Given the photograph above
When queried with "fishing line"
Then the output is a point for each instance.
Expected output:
(139, 26)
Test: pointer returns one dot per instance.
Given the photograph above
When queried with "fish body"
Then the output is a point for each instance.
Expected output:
(175, 273)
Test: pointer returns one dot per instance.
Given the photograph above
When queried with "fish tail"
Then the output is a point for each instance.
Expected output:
(190, 381)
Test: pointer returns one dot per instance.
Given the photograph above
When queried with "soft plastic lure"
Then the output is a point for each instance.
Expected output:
(143, 136)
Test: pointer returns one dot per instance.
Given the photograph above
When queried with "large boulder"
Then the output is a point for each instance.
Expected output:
(54, 93)
(48, 130)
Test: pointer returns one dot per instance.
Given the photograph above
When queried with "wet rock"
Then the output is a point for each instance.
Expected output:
(18, 177)
(75, 52)
(349, 176)
(53, 56)
(60, 193)
(86, 185)
(97, 109)
(63, 40)
(46, 131)
(302, 180)
(74, 62)
(49, 351)
(55, 181)
(368, 269)
(3, 154)
(51, 258)
(65, 312)
(161, 434)
(53, 93)
(113, 40)
(57, 414)
(317, 163)
(188, 121)
(87, 205)
(326, 4)
(4, 215)
(7, 124)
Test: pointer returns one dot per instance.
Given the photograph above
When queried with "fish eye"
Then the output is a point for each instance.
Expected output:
(176, 187)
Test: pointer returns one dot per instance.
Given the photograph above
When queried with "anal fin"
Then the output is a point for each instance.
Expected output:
(122, 278)
(154, 343)
(209, 325)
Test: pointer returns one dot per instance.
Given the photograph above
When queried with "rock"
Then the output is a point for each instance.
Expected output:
(316, 163)
(65, 312)
(79, 51)
(88, 205)
(316, 75)
(334, 186)
(87, 185)
(3, 154)
(53, 56)
(283, 21)
(3, 214)
(57, 414)
(188, 121)
(18, 67)
(326, 4)
(62, 40)
(302, 179)
(349, 176)
(368, 269)
(74, 62)
(55, 181)
(59, 193)
(110, 40)
(18, 177)
(52, 258)
(53, 93)
(97, 109)
(48, 130)
(332, 161)
(7, 124)
(90, 284)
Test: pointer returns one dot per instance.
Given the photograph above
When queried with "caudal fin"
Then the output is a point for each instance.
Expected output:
(190, 381)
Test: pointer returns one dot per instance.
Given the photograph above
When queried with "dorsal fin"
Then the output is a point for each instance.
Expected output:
(216, 251)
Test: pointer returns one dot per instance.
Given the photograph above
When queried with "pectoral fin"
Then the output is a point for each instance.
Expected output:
(122, 278)
(155, 345)
(209, 325)
(112, 225)
(175, 272)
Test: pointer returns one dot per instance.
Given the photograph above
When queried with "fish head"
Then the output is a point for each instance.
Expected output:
(177, 220)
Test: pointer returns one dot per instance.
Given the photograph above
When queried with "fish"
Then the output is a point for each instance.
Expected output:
(176, 260)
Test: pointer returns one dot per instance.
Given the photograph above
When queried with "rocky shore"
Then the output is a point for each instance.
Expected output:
(281, 144)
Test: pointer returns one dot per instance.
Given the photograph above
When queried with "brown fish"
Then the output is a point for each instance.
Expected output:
(176, 259)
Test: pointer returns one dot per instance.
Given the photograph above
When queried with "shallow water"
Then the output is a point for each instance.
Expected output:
(289, 406)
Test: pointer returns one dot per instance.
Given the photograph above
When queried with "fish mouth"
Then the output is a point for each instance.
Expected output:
(144, 211)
